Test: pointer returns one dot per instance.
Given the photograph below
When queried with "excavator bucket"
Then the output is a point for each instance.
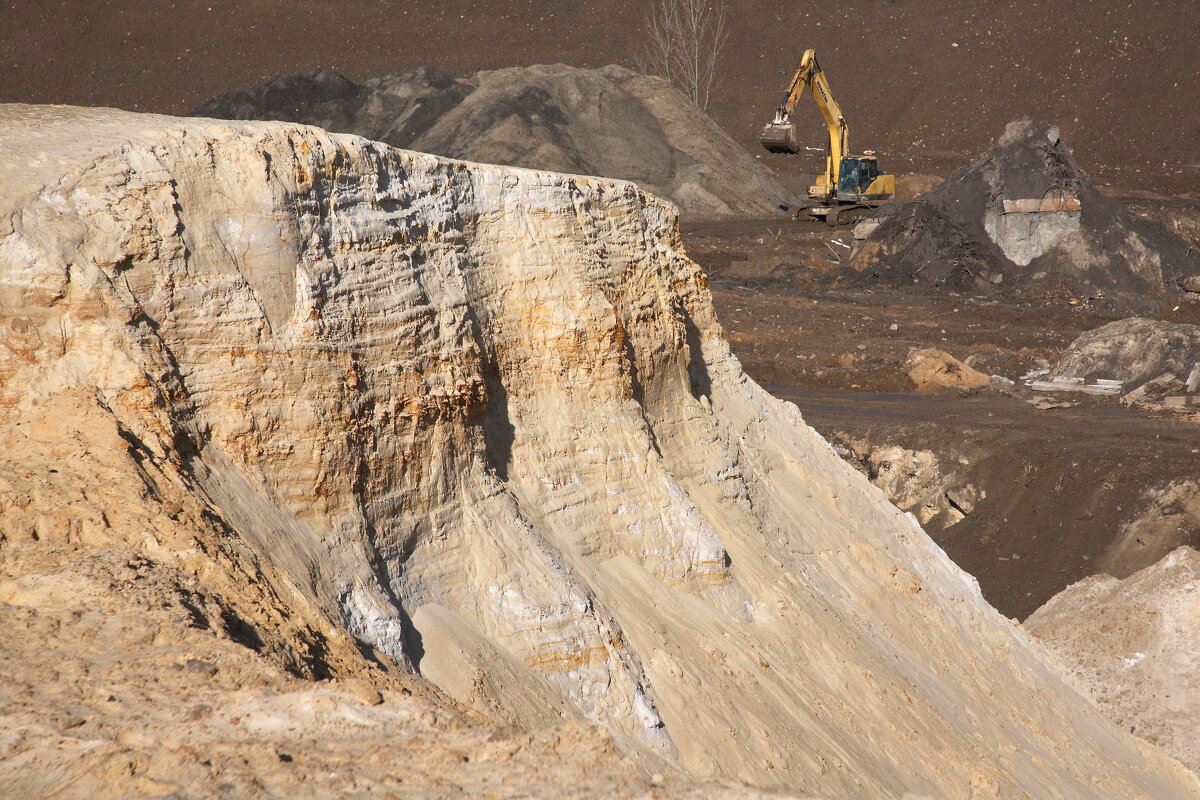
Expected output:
(779, 138)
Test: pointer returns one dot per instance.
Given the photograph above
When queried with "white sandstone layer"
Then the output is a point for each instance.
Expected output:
(483, 419)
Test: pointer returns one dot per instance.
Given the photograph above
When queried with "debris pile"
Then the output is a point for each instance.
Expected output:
(1155, 363)
(1103, 386)
(610, 122)
(1023, 219)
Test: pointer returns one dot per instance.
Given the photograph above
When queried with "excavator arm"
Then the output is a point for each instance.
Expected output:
(779, 136)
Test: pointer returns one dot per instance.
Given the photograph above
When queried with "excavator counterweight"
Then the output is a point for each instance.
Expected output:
(848, 180)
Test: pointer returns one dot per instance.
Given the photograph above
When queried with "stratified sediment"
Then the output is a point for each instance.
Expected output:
(481, 422)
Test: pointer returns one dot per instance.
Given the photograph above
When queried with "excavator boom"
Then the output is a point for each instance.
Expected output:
(847, 179)
(780, 135)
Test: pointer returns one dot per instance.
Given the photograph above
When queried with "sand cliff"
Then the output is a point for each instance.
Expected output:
(480, 422)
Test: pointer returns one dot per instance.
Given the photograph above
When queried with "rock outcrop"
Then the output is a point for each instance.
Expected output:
(1023, 218)
(1131, 644)
(480, 422)
(610, 122)
(1132, 351)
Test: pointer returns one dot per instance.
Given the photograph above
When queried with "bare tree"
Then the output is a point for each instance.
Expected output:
(683, 41)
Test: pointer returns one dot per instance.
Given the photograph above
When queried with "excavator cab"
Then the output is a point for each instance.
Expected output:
(855, 175)
(859, 180)
(849, 182)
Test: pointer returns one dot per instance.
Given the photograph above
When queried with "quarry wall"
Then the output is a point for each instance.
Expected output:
(482, 421)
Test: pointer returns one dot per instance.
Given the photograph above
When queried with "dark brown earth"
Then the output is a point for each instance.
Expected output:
(926, 84)
(1061, 485)
(1070, 491)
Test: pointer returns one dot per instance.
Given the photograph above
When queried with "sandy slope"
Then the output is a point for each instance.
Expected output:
(390, 407)
(1131, 645)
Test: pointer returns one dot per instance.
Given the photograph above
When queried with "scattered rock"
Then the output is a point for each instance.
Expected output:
(1153, 391)
(364, 691)
(917, 481)
(1046, 404)
(864, 229)
(1132, 350)
(201, 667)
(1193, 380)
(1099, 386)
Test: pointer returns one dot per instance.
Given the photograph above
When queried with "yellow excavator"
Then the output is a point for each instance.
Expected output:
(851, 185)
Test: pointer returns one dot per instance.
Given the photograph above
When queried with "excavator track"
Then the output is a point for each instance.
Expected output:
(848, 215)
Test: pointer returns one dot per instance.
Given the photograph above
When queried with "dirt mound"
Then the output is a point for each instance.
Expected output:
(609, 122)
(913, 184)
(930, 93)
(1131, 645)
(1023, 219)
(1132, 350)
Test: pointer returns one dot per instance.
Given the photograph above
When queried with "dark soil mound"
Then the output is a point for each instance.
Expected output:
(1132, 350)
(395, 109)
(610, 122)
(1023, 219)
(934, 84)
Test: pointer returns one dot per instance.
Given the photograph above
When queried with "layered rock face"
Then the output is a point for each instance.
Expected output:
(482, 420)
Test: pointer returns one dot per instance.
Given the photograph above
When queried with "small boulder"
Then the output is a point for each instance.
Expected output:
(363, 691)
(932, 370)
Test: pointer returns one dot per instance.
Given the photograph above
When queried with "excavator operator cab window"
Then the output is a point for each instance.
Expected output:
(849, 177)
